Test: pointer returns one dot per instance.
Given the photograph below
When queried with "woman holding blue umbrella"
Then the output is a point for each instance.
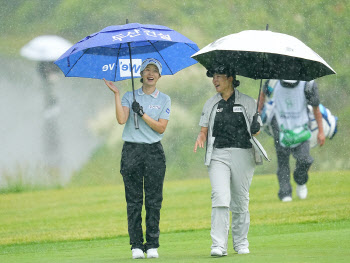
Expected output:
(118, 53)
(143, 160)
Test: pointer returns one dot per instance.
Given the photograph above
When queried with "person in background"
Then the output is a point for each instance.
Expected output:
(289, 115)
(143, 161)
(230, 159)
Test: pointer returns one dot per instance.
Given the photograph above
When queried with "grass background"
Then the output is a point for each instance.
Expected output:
(88, 224)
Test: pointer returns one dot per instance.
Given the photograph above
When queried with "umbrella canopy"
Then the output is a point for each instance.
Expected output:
(260, 54)
(106, 54)
(45, 48)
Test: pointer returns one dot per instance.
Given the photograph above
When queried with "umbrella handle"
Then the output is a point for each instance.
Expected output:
(255, 117)
(136, 121)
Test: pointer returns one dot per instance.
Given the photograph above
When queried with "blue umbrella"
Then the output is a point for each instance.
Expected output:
(106, 54)
(113, 51)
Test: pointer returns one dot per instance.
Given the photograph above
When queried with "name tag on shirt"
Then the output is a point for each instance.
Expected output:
(237, 109)
(154, 107)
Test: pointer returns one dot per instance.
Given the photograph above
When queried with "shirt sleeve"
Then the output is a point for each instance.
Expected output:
(126, 100)
(252, 111)
(204, 120)
(165, 114)
(311, 93)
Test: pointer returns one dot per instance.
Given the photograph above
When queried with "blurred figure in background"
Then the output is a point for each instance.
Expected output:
(52, 140)
(287, 117)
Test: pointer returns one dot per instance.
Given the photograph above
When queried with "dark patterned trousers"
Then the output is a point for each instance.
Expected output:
(143, 170)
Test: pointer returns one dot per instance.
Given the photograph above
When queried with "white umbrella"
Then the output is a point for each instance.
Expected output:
(45, 48)
(264, 55)
(261, 55)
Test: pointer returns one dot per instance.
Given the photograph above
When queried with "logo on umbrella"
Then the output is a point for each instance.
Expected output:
(124, 67)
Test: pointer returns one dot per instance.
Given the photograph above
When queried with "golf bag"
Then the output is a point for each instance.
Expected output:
(329, 121)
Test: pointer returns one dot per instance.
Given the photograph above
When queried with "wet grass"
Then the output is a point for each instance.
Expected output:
(27, 179)
(88, 224)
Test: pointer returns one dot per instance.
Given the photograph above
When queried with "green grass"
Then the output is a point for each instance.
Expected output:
(88, 224)
(317, 242)
(26, 179)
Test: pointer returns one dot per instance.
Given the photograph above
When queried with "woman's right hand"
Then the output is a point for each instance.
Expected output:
(199, 143)
(111, 86)
(201, 138)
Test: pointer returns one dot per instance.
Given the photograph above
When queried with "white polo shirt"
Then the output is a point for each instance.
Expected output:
(156, 105)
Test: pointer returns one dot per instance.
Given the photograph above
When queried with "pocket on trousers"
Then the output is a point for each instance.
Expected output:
(125, 159)
(161, 152)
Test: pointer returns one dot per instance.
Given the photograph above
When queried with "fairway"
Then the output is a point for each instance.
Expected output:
(89, 224)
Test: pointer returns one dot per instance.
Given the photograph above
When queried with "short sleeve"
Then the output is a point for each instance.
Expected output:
(165, 114)
(127, 100)
(311, 93)
(204, 120)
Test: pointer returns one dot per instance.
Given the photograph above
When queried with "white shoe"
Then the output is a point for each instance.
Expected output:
(287, 199)
(217, 252)
(302, 191)
(243, 251)
(137, 253)
(152, 253)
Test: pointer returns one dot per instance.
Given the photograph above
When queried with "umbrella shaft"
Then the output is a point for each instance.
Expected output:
(257, 105)
(132, 73)
(133, 88)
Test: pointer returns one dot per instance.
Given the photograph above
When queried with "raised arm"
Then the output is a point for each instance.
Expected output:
(121, 112)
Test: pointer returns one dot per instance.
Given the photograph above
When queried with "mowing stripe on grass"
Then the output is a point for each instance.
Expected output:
(322, 242)
(100, 212)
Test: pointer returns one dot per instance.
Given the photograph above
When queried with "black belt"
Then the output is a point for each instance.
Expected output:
(141, 143)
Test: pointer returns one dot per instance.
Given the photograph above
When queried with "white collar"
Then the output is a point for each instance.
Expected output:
(154, 94)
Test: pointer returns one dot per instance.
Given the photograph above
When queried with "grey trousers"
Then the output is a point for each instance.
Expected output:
(301, 153)
(231, 172)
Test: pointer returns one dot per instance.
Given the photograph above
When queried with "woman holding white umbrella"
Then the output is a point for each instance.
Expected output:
(227, 126)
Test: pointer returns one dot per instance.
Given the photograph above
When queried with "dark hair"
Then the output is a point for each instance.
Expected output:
(289, 84)
(226, 71)
(235, 82)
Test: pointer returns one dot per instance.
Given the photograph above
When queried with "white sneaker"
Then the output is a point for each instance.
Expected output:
(302, 191)
(217, 252)
(287, 199)
(243, 251)
(152, 253)
(137, 253)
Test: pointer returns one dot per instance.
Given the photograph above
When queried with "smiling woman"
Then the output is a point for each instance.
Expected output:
(143, 160)
(151, 72)
(229, 157)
